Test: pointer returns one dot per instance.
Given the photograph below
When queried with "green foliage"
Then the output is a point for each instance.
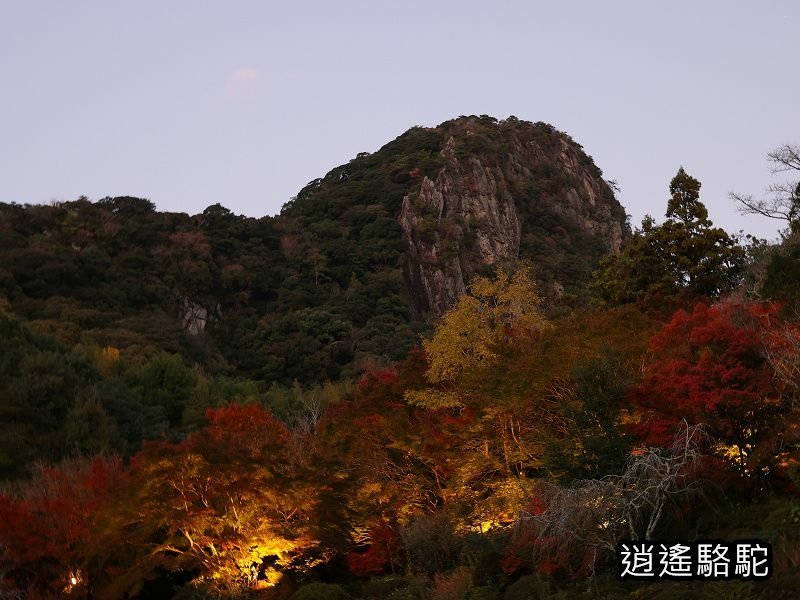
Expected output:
(418, 589)
(321, 591)
(431, 544)
(781, 279)
(39, 381)
(560, 249)
(313, 294)
(684, 253)
(89, 429)
(163, 383)
(704, 258)
(484, 592)
(638, 269)
(381, 587)
(219, 354)
(594, 443)
(530, 587)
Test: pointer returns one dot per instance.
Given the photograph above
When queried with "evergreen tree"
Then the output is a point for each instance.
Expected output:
(702, 258)
(686, 252)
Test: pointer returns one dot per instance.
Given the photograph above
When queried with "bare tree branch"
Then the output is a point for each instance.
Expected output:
(773, 208)
(785, 158)
(782, 351)
(589, 517)
(784, 203)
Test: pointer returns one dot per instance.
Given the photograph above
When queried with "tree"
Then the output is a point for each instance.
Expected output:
(469, 334)
(382, 552)
(784, 203)
(584, 521)
(709, 367)
(702, 258)
(686, 252)
(227, 505)
(640, 268)
(781, 348)
(781, 266)
(593, 441)
(46, 526)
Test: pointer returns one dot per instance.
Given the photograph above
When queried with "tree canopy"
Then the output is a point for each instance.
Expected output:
(685, 253)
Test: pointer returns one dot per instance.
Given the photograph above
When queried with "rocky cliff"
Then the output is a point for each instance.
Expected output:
(505, 190)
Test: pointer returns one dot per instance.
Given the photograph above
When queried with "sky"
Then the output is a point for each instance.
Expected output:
(242, 103)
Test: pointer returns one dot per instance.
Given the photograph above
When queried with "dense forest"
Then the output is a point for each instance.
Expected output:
(218, 406)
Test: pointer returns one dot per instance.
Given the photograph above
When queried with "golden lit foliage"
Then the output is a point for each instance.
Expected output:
(463, 340)
(227, 504)
(470, 333)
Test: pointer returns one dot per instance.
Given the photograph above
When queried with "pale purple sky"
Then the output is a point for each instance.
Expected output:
(242, 103)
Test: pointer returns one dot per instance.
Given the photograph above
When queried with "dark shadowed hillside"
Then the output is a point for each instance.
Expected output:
(343, 277)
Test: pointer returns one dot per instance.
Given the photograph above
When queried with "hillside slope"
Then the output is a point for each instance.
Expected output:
(346, 275)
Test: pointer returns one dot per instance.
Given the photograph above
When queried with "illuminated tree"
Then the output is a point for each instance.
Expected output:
(227, 505)
(47, 526)
(469, 334)
(382, 552)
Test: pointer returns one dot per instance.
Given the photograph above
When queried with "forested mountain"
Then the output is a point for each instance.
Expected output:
(346, 275)
(446, 370)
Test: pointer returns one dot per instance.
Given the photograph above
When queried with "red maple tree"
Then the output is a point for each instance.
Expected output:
(708, 367)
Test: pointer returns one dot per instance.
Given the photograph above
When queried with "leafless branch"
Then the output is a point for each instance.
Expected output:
(784, 203)
(782, 351)
(785, 158)
(591, 516)
(773, 208)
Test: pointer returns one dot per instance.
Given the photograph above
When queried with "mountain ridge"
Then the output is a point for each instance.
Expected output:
(348, 274)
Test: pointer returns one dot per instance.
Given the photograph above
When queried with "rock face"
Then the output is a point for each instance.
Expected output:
(195, 318)
(507, 190)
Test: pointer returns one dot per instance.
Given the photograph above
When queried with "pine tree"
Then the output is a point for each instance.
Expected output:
(701, 257)
(686, 252)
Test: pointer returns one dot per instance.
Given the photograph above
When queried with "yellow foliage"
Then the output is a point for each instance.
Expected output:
(511, 300)
(495, 504)
(433, 398)
(107, 361)
(463, 340)
(469, 334)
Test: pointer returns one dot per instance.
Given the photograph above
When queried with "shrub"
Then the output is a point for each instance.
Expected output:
(529, 587)
(430, 543)
(452, 586)
(321, 591)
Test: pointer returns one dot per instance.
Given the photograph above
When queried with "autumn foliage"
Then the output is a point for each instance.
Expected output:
(529, 473)
(46, 527)
(381, 554)
(709, 367)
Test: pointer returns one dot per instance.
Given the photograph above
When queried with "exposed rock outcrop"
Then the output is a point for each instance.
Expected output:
(195, 318)
(502, 187)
